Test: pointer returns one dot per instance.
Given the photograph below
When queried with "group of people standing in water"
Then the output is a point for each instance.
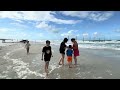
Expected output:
(72, 50)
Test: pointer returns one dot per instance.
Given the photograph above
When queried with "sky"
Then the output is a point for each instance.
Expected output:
(56, 25)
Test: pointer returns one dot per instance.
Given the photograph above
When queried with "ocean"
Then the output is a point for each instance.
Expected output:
(6, 44)
(114, 45)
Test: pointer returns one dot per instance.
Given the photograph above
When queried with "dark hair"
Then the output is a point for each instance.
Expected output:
(65, 40)
(73, 39)
(70, 46)
(47, 41)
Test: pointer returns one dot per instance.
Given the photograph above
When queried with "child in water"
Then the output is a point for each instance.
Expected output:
(69, 53)
(47, 52)
(27, 46)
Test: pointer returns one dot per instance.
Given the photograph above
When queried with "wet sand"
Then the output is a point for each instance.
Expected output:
(92, 64)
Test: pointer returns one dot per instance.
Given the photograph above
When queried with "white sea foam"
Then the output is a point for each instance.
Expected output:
(22, 68)
(93, 45)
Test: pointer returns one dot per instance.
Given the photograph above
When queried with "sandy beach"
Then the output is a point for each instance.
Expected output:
(92, 64)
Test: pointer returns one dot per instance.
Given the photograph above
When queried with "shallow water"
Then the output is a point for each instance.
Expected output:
(92, 64)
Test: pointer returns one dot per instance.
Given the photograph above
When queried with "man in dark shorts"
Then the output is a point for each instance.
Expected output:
(62, 51)
(47, 52)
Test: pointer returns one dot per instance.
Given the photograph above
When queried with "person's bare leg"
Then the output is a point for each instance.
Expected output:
(47, 66)
(60, 60)
(63, 59)
(46, 69)
(70, 65)
(27, 50)
(75, 59)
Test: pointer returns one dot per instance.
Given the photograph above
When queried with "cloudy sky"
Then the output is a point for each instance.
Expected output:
(55, 25)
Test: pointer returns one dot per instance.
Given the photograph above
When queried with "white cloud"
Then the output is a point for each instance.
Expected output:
(95, 33)
(118, 30)
(64, 34)
(92, 15)
(78, 35)
(20, 21)
(70, 33)
(45, 26)
(55, 31)
(20, 25)
(34, 16)
(98, 16)
(40, 34)
(85, 34)
(80, 14)
(13, 33)
(4, 30)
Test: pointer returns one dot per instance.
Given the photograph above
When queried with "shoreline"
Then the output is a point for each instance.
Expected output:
(92, 64)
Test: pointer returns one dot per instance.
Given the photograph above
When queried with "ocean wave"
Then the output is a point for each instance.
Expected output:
(115, 45)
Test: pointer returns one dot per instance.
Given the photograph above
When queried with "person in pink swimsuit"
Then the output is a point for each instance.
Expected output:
(75, 49)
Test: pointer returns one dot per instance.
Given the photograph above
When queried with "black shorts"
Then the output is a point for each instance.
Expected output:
(62, 52)
(47, 59)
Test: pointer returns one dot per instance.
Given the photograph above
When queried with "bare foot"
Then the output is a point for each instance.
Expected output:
(60, 64)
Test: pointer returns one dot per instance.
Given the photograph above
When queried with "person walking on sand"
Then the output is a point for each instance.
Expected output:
(75, 49)
(69, 53)
(27, 46)
(62, 51)
(47, 52)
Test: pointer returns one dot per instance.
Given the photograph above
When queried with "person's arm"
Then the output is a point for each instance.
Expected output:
(42, 53)
(65, 46)
(72, 52)
(51, 51)
(67, 52)
(75, 46)
(25, 45)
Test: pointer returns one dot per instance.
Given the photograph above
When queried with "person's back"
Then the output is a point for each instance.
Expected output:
(75, 46)
(27, 45)
(69, 53)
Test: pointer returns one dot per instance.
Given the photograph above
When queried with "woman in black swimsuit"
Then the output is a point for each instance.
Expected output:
(62, 50)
